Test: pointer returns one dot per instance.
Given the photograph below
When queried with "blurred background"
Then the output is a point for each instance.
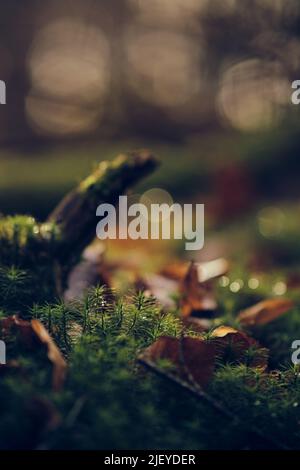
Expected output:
(204, 83)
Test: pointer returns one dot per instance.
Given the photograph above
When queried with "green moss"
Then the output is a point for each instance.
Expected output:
(109, 401)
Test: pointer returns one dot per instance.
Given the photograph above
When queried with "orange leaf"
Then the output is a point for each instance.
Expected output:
(53, 353)
(265, 311)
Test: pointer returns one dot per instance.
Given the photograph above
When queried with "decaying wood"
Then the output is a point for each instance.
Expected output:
(75, 216)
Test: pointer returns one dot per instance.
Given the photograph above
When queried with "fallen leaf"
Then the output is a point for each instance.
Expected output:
(165, 347)
(53, 353)
(199, 359)
(222, 331)
(206, 271)
(229, 332)
(232, 345)
(176, 270)
(212, 269)
(193, 358)
(18, 325)
(33, 333)
(265, 311)
(196, 297)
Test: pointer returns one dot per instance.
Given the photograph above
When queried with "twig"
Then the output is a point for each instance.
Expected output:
(199, 393)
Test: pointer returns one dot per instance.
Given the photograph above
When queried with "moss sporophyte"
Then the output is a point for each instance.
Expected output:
(108, 399)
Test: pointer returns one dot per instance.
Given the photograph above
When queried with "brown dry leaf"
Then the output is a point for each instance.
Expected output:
(165, 347)
(224, 334)
(196, 297)
(265, 311)
(193, 358)
(199, 359)
(234, 343)
(176, 270)
(223, 330)
(53, 353)
(17, 324)
(206, 271)
(33, 333)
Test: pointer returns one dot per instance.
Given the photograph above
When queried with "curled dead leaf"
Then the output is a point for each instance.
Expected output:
(226, 334)
(265, 311)
(212, 269)
(53, 353)
(223, 331)
(235, 345)
(196, 297)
